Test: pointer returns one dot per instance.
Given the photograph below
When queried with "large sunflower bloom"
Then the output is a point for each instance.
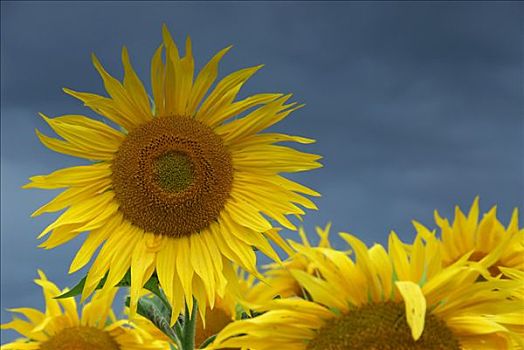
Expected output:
(387, 300)
(60, 327)
(183, 188)
(486, 239)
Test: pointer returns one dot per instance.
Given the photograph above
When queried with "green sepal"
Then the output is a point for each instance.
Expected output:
(153, 310)
(207, 341)
(151, 285)
(77, 290)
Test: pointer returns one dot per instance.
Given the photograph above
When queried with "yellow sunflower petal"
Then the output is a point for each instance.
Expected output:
(94, 239)
(73, 176)
(157, 81)
(123, 101)
(105, 107)
(71, 149)
(122, 257)
(201, 262)
(142, 266)
(228, 111)
(134, 87)
(415, 306)
(224, 93)
(86, 134)
(183, 260)
(166, 269)
(204, 80)
(72, 196)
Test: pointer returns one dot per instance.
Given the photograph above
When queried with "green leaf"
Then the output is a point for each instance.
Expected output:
(77, 290)
(152, 285)
(207, 341)
(148, 308)
(125, 281)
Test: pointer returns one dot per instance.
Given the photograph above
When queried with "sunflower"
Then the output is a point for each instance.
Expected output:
(278, 281)
(62, 328)
(387, 300)
(486, 240)
(184, 187)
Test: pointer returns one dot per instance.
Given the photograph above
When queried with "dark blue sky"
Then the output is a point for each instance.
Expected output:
(415, 106)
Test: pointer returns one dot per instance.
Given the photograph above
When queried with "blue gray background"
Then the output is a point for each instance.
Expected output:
(415, 106)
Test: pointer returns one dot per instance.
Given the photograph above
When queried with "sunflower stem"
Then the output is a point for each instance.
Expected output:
(188, 340)
(178, 330)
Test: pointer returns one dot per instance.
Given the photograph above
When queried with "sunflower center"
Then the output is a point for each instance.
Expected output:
(173, 171)
(172, 176)
(80, 338)
(381, 326)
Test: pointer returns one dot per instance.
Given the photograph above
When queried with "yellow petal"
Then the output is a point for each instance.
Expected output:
(231, 83)
(321, 291)
(232, 248)
(142, 268)
(94, 239)
(183, 262)
(134, 86)
(274, 235)
(266, 159)
(157, 81)
(105, 107)
(256, 121)
(74, 176)
(166, 269)
(72, 196)
(34, 316)
(204, 80)
(236, 108)
(72, 149)
(399, 257)
(123, 101)
(130, 236)
(364, 262)
(415, 303)
(246, 215)
(20, 345)
(82, 212)
(201, 262)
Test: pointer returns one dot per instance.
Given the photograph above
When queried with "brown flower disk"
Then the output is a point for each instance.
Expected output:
(381, 326)
(80, 338)
(172, 176)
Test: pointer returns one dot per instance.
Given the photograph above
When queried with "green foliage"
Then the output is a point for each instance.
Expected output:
(154, 310)
(151, 285)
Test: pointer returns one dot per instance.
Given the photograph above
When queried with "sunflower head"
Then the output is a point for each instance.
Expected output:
(390, 298)
(61, 327)
(486, 240)
(187, 184)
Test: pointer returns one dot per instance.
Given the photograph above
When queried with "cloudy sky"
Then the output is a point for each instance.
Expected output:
(415, 106)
